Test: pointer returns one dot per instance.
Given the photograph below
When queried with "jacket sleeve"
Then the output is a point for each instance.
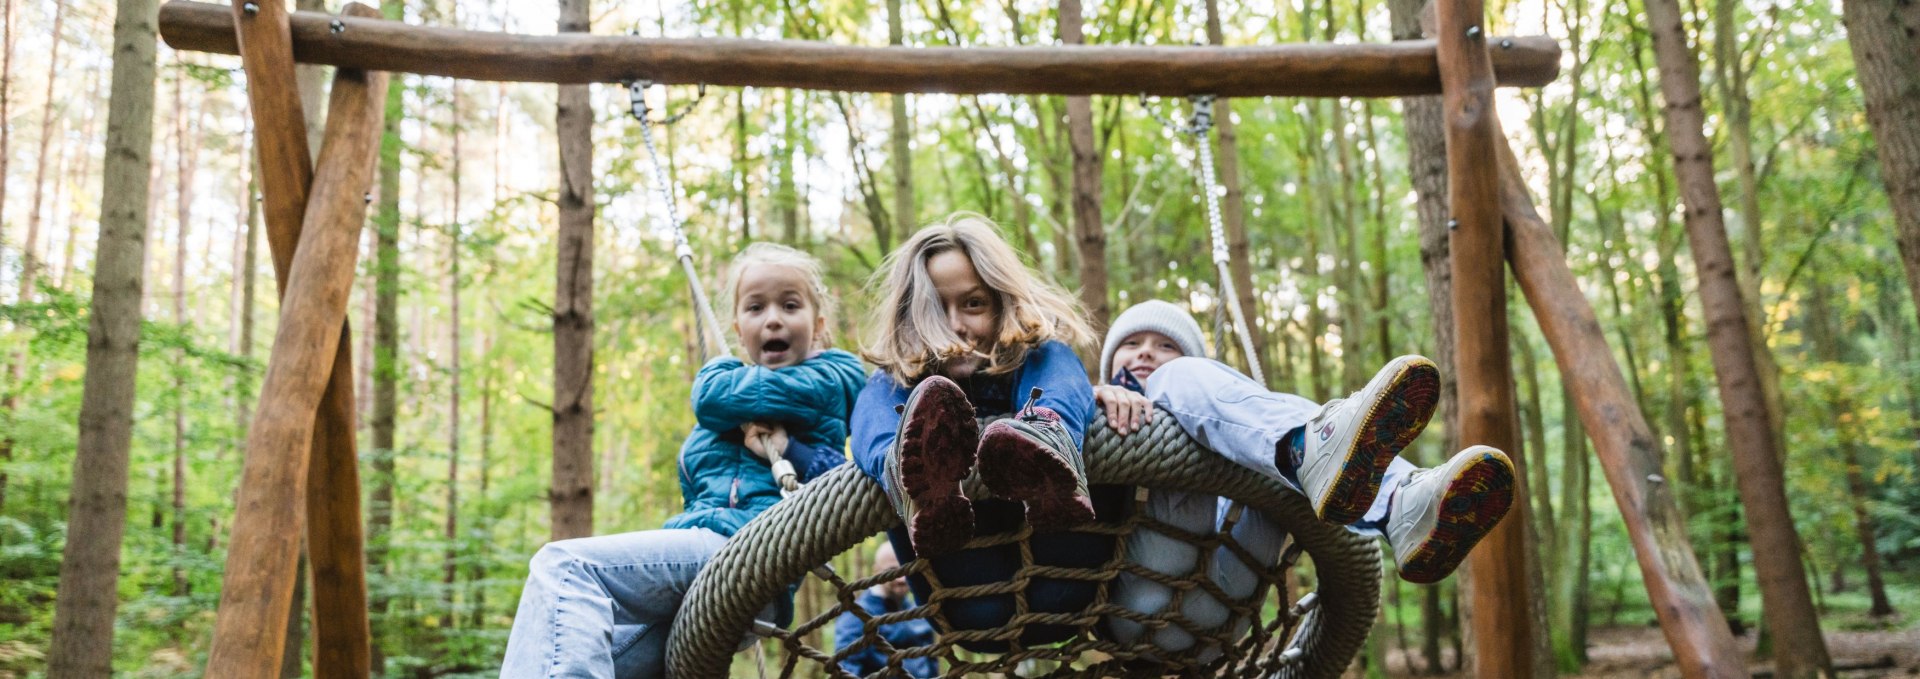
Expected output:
(728, 392)
(1057, 371)
(875, 423)
(811, 460)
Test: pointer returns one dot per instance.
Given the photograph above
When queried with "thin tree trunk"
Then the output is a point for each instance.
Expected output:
(902, 136)
(1087, 168)
(6, 135)
(29, 258)
(189, 144)
(450, 578)
(572, 493)
(1886, 53)
(1787, 603)
(486, 461)
(1828, 346)
(78, 180)
(82, 640)
(386, 367)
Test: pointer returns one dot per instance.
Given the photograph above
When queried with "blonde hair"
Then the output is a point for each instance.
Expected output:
(911, 338)
(775, 254)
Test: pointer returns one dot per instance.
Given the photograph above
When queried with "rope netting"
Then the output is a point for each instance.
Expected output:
(1263, 633)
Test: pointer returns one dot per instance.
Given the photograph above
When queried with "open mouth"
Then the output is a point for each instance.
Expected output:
(775, 346)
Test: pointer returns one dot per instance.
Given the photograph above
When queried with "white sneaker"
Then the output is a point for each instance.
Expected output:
(1349, 443)
(1439, 514)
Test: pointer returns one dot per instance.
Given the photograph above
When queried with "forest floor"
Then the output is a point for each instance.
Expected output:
(1623, 652)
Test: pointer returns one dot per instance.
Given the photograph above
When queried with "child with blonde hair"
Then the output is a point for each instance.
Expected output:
(966, 331)
(602, 606)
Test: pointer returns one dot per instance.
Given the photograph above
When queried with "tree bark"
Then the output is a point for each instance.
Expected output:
(187, 137)
(82, 640)
(572, 493)
(29, 259)
(386, 357)
(905, 221)
(1088, 165)
(312, 82)
(6, 138)
(1886, 53)
(451, 575)
(1787, 603)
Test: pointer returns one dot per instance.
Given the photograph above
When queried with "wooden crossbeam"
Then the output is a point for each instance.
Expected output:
(1405, 68)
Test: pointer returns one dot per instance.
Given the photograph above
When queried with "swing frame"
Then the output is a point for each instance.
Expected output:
(300, 478)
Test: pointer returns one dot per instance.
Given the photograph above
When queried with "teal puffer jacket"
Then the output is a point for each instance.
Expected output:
(722, 483)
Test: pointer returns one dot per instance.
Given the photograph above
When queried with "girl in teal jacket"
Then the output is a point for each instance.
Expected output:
(603, 606)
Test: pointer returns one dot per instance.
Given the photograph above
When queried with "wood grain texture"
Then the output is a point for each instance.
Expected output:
(1682, 599)
(268, 523)
(1503, 621)
(1362, 70)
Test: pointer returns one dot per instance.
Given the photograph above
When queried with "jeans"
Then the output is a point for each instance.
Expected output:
(602, 606)
(1230, 414)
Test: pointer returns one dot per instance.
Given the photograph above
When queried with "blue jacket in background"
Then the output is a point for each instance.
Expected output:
(723, 485)
(901, 635)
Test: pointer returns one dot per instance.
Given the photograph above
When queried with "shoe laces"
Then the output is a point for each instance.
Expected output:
(1033, 398)
(1328, 407)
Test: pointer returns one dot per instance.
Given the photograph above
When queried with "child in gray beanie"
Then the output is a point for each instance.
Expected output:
(1343, 455)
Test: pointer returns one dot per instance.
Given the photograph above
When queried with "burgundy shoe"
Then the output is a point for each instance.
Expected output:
(932, 454)
(1031, 458)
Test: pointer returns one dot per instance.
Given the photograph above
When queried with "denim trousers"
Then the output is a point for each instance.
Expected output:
(602, 606)
(1232, 415)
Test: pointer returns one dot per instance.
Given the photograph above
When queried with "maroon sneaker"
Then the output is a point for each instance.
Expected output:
(1031, 458)
(931, 455)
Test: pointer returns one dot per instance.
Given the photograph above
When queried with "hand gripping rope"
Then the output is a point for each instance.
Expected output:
(1200, 127)
(713, 342)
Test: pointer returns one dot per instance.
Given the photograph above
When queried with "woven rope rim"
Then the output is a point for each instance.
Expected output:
(842, 508)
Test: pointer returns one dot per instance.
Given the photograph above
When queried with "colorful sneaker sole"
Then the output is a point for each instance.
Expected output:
(1016, 467)
(1395, 419)
(1475, 501)
(936, 449)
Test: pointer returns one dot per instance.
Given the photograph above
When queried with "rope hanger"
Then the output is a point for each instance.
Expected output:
(1199, 125)
(713, 341)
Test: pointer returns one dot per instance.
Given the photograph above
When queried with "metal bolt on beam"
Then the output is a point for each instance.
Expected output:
(250, 8)
(337, 26)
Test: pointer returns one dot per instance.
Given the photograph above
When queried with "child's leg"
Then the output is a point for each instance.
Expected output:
(602, 606)
(1228, 412)
(1167, 555)
(1374, 523)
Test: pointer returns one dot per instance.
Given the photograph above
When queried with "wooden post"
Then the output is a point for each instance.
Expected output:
(1695, 628)
(259, 578)
(1503, 626)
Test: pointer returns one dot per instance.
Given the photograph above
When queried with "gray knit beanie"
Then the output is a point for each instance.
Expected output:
(1153, 316)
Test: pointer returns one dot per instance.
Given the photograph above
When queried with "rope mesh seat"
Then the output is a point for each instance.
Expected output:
(1316, 636)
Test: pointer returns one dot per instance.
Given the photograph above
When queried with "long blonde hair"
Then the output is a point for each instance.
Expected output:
(774, 254)
(911, 338)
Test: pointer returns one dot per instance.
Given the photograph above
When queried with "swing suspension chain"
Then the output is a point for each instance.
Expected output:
(1200, 126)
(713, 342)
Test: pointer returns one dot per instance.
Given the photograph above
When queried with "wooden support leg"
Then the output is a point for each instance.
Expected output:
(1499, 586)
(260, 564)
(1682, 600)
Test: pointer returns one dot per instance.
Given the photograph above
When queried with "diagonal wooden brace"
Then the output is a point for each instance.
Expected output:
(308, 373)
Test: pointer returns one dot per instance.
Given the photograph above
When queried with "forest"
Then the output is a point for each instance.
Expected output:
(1790, 130)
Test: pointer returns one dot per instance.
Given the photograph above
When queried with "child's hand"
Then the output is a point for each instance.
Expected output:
(1127, 411)
(762, 437)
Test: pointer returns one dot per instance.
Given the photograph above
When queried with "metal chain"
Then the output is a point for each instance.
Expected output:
(1200, 127)
(715, 343)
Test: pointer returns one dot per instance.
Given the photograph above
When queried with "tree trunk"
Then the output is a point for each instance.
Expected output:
(6, 140)
(187, 136)
(905, 220)
(29, 258)
(1088, 166)
(451, 574)
(1887, 56)
(386, 353)
(82, 640)
(1787, 603)
(1821, 331)
(572, 494)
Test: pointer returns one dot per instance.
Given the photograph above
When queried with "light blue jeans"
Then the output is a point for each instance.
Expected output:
(602, 606)
(1232, 415)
